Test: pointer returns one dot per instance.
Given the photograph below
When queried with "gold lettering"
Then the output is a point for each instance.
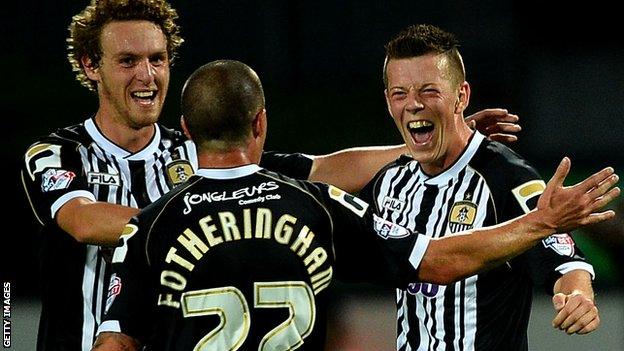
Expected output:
(192, 243)
(228, 226)
(263, 223)
(321, 280)
(171, 256)
(247, 223)
(173, 280)
(167, 300)
(318, 256)
(283, 231)
(303, 241)
(209, 231)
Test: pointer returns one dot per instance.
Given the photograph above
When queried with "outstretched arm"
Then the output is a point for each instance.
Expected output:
(559, 209)
(351, 169)
(94, 222)
(574, 303)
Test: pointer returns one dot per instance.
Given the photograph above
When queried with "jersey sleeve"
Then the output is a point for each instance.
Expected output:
(368, 248)
(52, 174)
(554, 255)
(295, 165)
(127, 305)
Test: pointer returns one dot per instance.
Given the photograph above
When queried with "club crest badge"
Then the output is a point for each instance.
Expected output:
(179, 171)
(462, 216)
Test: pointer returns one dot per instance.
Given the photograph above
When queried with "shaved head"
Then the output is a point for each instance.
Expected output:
(220, 101)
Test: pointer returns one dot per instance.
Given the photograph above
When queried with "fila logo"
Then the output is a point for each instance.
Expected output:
(393, 204)
(103, 178)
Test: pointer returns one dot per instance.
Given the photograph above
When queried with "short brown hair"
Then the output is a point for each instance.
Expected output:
(86, 28)
(219, 103)
(422, 39)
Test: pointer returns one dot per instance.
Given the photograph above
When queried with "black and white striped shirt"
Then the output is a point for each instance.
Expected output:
(488, 184)
(79, 161)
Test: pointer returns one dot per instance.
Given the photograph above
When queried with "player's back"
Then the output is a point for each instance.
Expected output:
(237, 262)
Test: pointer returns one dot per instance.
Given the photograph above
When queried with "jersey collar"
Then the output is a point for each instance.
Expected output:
(228, 173)
(110, 147)
(470, 150)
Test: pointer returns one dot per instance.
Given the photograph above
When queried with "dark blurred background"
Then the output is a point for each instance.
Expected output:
(560, 69)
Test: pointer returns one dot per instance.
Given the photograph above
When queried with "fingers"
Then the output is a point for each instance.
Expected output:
(593, 325)
(597, 218)
(578, 315)
(503, 138)
(603, 186)
(595, 179)
(497, 114)
(503, 127)
(493, 115)
(560, 174)
(559, 301)
(606, 198)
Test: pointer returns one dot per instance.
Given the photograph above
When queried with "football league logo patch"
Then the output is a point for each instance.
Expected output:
(179, 171)
(56, 179)
(563, 244)
(114, 288)
(462, 216)
(388, 230)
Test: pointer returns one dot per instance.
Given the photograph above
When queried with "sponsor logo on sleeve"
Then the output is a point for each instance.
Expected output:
(114, 288)
(563, 244)
(56, 179)
(179, 171)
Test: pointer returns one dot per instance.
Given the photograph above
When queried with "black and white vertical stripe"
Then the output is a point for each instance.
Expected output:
(435, 317)
(142, 180)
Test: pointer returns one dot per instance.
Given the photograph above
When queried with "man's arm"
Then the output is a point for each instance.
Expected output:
(94, 222)
(110, 341)
(574, 303)
(559, 209)
(351, 169)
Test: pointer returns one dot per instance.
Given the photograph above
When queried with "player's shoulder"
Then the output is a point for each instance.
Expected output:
(299, 185)
(495, 160)
(175, 136)
(67, 138)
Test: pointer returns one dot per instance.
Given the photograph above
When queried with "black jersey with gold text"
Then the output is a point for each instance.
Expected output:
(239, 258)
(80, 161)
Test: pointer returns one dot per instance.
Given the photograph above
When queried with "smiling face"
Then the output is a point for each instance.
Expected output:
(133, 74)
(427, 105)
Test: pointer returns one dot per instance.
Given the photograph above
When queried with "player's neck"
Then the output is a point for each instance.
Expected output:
(124, 136)
(225, 159)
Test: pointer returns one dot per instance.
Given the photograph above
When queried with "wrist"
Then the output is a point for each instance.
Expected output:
(539, 224)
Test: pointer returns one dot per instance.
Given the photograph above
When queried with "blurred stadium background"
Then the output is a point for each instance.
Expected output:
(560, 69)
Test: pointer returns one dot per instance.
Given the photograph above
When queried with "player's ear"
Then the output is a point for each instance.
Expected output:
(259, 124)
(90, 68)
(463, 98)
(184, 128)
(388, 101)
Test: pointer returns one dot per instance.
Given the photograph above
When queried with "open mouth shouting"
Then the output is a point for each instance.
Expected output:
(144, 97)
(421, 131)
